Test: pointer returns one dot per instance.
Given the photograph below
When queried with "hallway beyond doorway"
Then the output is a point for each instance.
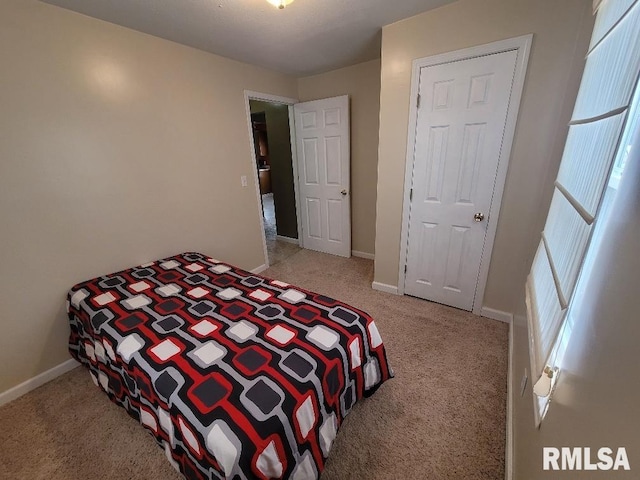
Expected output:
(277, 250)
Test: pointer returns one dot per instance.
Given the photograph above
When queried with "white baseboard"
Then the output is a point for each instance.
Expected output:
(37, 381)
(368, 256)
(499, 315)
(259, 269)
(383, 287)
(508, 454)
(288, 239)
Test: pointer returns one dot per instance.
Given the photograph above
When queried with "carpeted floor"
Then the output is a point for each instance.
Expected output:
(441, 417)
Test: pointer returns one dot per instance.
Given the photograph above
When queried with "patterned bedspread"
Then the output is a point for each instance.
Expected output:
(236, 375)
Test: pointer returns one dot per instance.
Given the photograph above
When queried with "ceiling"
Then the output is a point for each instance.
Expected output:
(307, 37)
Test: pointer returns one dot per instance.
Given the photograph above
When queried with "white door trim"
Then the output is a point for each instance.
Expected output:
(508, 454)
(523, 46)
(266, 97)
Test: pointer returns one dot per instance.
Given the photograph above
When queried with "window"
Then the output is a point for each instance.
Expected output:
(592, 163)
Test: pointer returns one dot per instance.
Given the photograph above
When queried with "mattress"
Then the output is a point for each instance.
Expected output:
(235, 375)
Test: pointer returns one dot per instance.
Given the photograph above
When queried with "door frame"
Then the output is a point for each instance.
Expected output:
(520, 44)
(290, 102)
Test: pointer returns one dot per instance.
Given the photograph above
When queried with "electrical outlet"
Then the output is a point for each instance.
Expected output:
(243, 180)
(523, 382)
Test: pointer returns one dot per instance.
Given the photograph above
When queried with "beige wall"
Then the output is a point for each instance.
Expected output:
(561, 31)
(116, 148)
(597, 395)
(362, 83)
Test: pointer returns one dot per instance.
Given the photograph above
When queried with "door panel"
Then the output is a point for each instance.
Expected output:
(459, 134)
(436, 162)
(332, 147)
(470, 162)
(322, 138)
(458, 243)
(428, 241)
(308, 120)
(334, 209)
(314, 217)
(310, 161)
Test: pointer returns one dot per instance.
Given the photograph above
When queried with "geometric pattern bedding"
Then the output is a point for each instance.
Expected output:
(235, 375)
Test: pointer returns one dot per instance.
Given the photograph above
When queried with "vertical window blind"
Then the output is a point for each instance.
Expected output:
(601, 110)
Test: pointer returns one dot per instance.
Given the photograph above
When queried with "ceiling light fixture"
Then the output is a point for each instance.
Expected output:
(280, 3)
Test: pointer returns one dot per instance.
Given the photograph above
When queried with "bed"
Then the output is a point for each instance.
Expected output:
(235, 375)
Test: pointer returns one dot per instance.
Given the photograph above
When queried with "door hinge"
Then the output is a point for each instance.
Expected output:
(418, 101)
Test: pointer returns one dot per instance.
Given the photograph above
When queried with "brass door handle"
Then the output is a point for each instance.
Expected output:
(478, 217)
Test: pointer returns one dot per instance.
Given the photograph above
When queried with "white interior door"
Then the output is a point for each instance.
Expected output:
(323, 147)
(459, 135)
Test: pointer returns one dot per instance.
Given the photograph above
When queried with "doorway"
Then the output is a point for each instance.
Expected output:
(462, 123)
(312, 184)
(271, 134)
